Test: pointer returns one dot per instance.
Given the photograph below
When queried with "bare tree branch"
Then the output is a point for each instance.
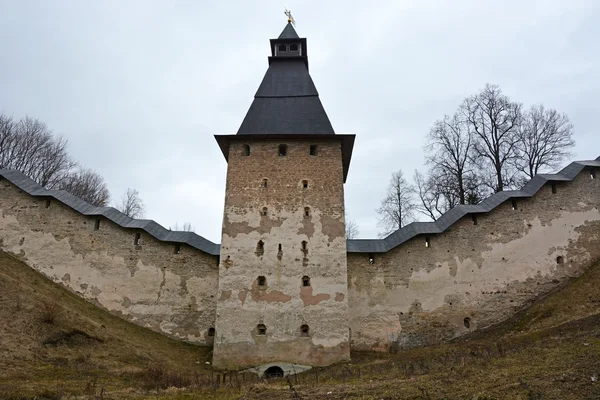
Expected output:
(187, 227)
(545, 140)
(432, 201)
(352, 231)
(449, 145)
(494, 121)
(88, 185)
(398, 206)
(29, 146)
(131, 204)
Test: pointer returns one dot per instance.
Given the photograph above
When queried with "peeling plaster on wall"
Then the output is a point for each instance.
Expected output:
(283, 305)
(410, 296)
(103, 267)
(485, 272)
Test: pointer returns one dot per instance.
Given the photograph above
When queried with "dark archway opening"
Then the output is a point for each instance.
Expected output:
(273, 372)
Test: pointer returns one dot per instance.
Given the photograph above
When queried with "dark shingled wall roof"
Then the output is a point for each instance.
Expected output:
(152, 228)
(354, 245)
(445, 221)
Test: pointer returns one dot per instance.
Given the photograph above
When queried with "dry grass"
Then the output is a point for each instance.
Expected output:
(549, 351)
(49, 311)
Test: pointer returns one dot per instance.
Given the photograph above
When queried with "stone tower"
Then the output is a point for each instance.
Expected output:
(282, 277)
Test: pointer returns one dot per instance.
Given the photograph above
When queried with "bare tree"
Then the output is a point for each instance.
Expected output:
(545, 140)
(88, 185)
(432, 201)
(398, 206)
(131, 204)
(494, 121)
(29, 146)
(449, 144)
(352, 230)
(187, 227)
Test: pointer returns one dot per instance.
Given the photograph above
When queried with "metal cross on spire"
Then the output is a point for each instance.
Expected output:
(288, 13)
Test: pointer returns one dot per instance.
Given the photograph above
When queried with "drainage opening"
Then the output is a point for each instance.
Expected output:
(273, 372)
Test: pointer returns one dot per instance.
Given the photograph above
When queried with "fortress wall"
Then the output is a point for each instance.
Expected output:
(148, 284)
(414, 295)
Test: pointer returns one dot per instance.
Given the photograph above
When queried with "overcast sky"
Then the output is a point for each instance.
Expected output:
(139, 88)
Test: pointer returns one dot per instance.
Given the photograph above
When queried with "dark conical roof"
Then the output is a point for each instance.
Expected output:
(286, 105)
(287, 101)
(288, 32)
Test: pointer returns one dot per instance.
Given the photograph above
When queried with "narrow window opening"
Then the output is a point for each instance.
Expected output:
(264, 212)
(293, 47)
(261, 281)
(304, 330)
(282, 150)
(97, 225)
(371, 258)
(177, 248)
(474, 218)
(592, 173)
(260, 248)
(246, 150)
(282, 47)
(553, 188)
(261, 329)
(427, 242)
(48, 203)
(265, 183)
(313, 149)
(304, 184)
(307, 211)
(211, 332)
(279, 248)
(304, 245)
(305, 281)
(560, 260)
(467, 322)
(138, 239)
(514, 205)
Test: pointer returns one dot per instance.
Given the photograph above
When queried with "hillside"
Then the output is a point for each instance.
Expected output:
(55, 345)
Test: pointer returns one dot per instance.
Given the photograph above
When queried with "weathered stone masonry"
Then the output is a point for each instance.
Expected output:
(479, 271)
(410, 295)
(285, 285)
(147, 284)
(292, 205)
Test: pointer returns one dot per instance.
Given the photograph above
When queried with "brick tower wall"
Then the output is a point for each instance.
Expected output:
(276, 215)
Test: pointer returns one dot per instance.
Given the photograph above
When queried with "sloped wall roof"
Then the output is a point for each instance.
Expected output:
(354, 245)
(446, 220)
(151, 227)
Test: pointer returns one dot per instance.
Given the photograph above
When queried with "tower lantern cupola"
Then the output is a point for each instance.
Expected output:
(286, 106)
(289, 45)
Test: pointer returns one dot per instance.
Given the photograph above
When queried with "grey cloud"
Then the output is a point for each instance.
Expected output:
(140, 88)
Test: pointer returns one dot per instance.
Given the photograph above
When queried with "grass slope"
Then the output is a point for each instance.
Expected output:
(82, 349)
(551, 350)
